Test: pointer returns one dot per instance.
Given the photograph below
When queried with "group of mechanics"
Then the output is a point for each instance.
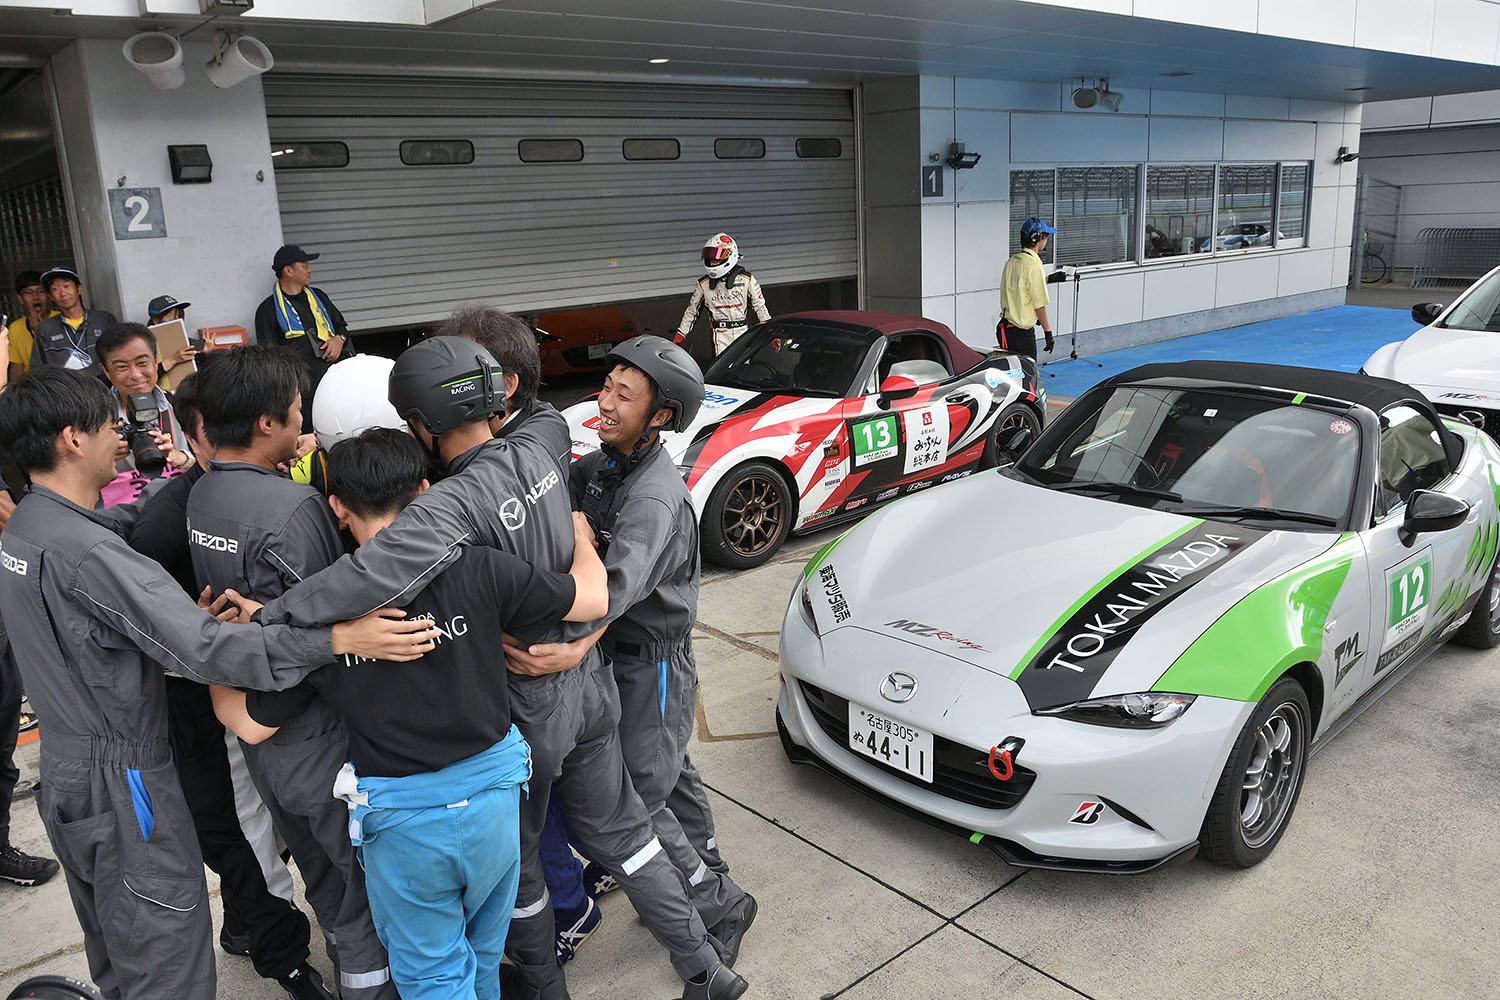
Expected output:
(354, 643)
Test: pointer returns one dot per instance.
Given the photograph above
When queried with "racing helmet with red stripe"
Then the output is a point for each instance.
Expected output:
(720, 254)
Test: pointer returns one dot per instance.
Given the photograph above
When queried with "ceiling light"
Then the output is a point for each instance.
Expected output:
(1177, 73)
(1085, 96)
(658, 61)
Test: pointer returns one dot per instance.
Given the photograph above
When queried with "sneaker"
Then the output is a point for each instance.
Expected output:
(719, 983)
(573, 932)
(729, 932)
(597, 881)
(23, 869)
(304, 983)
(235, 944)
(28, 720)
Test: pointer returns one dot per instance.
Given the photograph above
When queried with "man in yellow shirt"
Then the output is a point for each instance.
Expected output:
(34, 309)
(1023, 293)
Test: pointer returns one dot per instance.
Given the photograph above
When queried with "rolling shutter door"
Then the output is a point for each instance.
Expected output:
(402, 245)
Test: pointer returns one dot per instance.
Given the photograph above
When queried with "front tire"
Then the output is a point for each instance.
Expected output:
(747, 517)
(1261, 781)
(1482, 630)
(1011, 419)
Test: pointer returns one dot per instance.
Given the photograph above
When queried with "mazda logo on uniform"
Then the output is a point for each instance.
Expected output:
(898, 687)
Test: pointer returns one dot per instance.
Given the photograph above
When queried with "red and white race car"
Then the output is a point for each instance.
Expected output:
(820, 417)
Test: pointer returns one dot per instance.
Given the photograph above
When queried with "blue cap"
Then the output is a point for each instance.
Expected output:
(1034, 227)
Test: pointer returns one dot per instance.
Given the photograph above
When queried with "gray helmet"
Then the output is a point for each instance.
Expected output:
(677, 377)
(445, 382)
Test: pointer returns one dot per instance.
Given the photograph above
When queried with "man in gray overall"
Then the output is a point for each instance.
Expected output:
(253, 529)
(91, 621)
(643, 516)
(508, 493)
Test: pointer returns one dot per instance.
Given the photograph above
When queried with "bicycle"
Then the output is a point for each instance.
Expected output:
(1373, 267)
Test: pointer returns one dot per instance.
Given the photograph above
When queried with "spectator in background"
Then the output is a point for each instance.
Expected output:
(303, 318)
(68, 340)
(34, 308)
(128, 352)
(164, 309)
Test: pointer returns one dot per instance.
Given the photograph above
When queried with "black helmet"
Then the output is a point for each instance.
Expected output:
(445, 382)
(676, 375)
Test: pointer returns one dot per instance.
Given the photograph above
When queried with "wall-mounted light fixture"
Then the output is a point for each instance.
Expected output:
(1344, 156)
(1085, 96)
(190, 164)
(158, 55)
(959, 159)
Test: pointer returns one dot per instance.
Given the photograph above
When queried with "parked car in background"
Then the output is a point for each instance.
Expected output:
(578, 339)
(1455, 357)
(819, 417)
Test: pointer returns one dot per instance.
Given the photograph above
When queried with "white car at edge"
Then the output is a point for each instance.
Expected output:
(1455, 358)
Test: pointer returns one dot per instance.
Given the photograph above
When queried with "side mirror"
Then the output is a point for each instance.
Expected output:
(1427, 511)
(1426, 312)
(896, 387)
(1016, 441)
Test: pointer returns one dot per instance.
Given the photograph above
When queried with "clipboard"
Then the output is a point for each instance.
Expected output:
(171, 337)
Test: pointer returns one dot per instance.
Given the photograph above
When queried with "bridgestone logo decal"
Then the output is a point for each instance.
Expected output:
(1070, 663)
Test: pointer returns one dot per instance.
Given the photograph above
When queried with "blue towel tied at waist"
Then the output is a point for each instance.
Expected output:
(503, 765)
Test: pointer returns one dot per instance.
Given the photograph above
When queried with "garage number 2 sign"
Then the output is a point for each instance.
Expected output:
(875, 439)
(137, 213)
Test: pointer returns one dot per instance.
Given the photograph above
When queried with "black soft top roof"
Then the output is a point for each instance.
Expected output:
(1375, 393)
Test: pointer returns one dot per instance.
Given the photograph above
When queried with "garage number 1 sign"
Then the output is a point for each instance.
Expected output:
(137, 213)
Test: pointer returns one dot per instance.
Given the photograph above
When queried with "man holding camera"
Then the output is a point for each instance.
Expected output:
(152, 440)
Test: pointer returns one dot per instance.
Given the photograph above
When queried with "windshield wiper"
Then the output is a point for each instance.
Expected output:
(1262, 514)
(1120, 489)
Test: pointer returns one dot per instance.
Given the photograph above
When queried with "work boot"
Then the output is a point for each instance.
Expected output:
(304, 983)
(719, 983)
(574, 927)
(597, 881)
(727, 934)
(23, 869)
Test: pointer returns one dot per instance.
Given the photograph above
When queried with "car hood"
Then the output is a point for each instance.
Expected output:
(1438, 360)
(1069, 596)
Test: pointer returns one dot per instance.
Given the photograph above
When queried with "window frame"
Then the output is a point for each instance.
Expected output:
(310, 166)
(650, 159)
(739, 138)
(521, 144)
(401, 152)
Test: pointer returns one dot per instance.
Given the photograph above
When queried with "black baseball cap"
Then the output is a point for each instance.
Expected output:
(290, 254)
(57, 274)
(162, 303)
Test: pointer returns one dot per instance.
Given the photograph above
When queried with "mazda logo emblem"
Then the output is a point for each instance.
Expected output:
(898, 687)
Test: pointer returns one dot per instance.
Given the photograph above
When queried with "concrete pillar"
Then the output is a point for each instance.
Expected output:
(115, 127)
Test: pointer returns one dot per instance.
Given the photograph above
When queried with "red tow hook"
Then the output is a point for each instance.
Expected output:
(1002, 757)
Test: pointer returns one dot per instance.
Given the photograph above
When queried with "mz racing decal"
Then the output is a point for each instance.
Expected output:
(1408, 589)
(1065, 666)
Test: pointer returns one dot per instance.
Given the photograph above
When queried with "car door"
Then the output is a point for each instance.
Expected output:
(1417, 585)
(899, 439)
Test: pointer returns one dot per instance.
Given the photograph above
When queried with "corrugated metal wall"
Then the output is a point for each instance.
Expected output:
(402, 244)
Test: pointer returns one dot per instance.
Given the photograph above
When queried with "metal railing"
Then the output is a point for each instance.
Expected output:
(1455, 255)
(33, 229)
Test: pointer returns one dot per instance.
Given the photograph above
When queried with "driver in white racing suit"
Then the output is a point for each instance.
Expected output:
(729, 291)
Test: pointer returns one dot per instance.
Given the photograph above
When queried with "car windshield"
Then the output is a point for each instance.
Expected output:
(800, 358)
(1480, 308)
(1215, 450)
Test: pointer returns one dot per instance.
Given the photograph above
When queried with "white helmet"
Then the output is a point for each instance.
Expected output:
(352, 398)
(720, 254)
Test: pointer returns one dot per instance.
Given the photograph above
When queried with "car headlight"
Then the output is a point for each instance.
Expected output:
(807, 609)
(1142, 710)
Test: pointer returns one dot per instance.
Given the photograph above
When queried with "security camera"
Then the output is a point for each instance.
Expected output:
(238, 60)
(159, 56)
(1344, 156)
(1085, 97)
(1088, 97)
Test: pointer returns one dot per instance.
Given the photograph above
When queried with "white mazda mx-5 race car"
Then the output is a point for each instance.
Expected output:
(1125, 646)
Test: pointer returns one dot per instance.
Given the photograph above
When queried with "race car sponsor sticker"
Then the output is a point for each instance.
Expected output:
(1408, 588)
(875, 440)
(926, 437)
(852, 504)
(887, 494)
(1087, 813)
(1065, 665)
(1340, 427)
(993, 378)
(835, 595)
(717, 400)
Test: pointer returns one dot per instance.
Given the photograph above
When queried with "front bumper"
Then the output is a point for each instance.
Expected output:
(1154, 785)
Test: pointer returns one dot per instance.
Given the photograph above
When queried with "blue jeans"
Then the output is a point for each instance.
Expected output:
(442, 884)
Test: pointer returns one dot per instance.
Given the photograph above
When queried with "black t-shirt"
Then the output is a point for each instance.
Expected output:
(268, 331)
(161, 531)
(407, 718)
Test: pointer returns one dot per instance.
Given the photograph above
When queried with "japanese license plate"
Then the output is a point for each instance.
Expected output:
(893, 743)
(597, 351)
